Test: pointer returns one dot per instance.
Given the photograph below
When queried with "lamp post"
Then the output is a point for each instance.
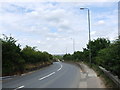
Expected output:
(89, 31)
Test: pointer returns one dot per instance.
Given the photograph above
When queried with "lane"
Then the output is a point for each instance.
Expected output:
(47, 76)
(58, 75)
(67, 77)
(31, 77)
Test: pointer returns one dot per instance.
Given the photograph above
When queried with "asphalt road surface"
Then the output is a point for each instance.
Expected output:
(58, 75)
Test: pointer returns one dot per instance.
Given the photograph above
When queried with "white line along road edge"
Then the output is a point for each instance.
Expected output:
(60, 67)
(47, 76)
(19, 87)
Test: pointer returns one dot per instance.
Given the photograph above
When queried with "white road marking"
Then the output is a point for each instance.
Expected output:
(51, 73)
(60, 67)
(19, 87)
(47, 76)
(42, 77)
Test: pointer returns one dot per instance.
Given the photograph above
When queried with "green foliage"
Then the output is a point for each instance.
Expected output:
(32, 56)
(14, 59)
(68, 57)
(28, 53)
(103, 54)
(47, 56)
(85, 54)
(11, 56)
(78, 56)
(110, 58)
(97, 45)
(103, 57)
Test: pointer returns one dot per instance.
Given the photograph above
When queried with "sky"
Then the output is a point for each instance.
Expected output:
(53, 26)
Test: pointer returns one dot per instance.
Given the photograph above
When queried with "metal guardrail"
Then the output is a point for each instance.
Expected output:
(115, 79)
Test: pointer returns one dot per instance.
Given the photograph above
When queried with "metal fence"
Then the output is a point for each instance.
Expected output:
(115, 79)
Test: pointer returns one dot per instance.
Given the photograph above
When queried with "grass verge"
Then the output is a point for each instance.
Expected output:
(31, 67)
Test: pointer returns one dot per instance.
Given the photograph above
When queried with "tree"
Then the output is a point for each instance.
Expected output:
(29, 54)
(97, 45)
(11, 56)
(68, 57)
(78, 55)
(109, 58)
(85, 54)
(15, 60)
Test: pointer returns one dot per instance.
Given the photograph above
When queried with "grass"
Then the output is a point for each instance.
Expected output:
(30, 67)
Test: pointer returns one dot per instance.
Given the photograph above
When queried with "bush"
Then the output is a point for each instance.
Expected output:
(14, 59)
(11, 56)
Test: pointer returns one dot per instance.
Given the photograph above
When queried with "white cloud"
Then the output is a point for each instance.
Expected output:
(101, 22)
(93, 32)
(50, 26)
(60, 1)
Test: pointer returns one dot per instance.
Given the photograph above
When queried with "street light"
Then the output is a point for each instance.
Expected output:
(89, 31)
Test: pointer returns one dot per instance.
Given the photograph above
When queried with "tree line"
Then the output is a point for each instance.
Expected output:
(103, 53)
(16, 60)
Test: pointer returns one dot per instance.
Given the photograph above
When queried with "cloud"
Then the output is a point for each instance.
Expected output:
(101, 22)
(60, 1)
(49, 26)
(93, 32)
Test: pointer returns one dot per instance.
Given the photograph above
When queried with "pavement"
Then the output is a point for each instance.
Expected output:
(58, 75)
(89, 78)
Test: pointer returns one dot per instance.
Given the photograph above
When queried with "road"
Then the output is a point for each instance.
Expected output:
(58, 75)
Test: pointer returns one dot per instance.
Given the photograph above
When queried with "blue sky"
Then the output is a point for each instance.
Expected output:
(50, 25)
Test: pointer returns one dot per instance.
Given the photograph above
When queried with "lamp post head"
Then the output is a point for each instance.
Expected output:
(82, 8)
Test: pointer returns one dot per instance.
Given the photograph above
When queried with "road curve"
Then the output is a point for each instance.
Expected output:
(58, 75)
